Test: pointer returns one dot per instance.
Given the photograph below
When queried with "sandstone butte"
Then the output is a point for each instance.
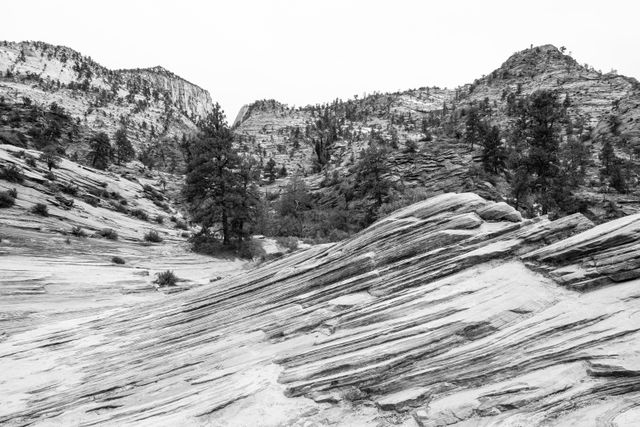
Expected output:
(452, 311)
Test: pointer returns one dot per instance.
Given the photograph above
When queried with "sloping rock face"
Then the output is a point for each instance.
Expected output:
(448, 312)
(151, 103)
(80, 196)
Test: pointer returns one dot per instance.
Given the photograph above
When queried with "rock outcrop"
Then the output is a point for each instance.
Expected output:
(452, 311)
(152, 103)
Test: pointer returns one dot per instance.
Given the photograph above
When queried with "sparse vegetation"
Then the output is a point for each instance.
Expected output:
(165, 279)
(7, 198)
(152, 236)
(40, 209)
(69, 189)
(140, 214)
(108, 233)
(78, 232)
(12, 173)
(50, 157)
(290, 243)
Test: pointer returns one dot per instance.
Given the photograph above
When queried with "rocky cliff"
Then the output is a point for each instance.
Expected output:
(451, 312)
(152, 104)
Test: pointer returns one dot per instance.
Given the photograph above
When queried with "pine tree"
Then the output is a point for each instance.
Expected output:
(270, 170)
(371, 178)
(101, 152)
(493, 154)
(124, 151)
(473, 128)
(219, 185)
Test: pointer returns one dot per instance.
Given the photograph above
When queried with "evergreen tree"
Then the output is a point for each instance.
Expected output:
(543, 114)
(101, 152)
(371, 178)
(493, 154)
(270, 170)
(245, 206)
(473, 128)
(607, 158)
(123, 149)
(219, 186)
(295, 203)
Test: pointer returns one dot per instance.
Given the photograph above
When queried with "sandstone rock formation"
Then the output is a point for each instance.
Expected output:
(452, 311)
(152, 103)
(599, 106)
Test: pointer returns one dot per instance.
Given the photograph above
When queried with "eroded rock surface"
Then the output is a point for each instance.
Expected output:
(452, 311)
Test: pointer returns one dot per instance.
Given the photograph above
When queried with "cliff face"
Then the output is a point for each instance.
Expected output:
(427, 124)
(152, 104)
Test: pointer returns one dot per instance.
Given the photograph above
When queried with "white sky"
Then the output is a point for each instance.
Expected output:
(303, 52)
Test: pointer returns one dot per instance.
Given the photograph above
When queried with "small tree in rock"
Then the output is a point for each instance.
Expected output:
(50, 157)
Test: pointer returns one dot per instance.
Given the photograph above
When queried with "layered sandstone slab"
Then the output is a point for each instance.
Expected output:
(448, 312)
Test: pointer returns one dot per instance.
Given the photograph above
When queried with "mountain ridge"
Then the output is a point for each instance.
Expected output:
(151, 103)
(430, 118)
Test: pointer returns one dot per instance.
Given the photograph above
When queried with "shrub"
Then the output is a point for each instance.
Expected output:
(206, 244)
(40, 209)
(251, 250)
(185, 234)
(78, 232)
(165, 279)
(140, 214)
(119, 207)
(6, 199)
(30, 160)
(64, 202)
(90, 200)
(69, 189)
(13, 193)
(117, 260)
(162, 205)
(108, 233)
(50, 176)
(181, 225)
(12, 173)
(153, 193)
(152, 236)
(290, 243)
(160, 219)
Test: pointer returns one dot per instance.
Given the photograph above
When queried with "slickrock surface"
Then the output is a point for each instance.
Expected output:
(102, 199)
(449, 312)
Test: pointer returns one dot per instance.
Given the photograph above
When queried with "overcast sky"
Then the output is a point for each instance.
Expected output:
(305, 52)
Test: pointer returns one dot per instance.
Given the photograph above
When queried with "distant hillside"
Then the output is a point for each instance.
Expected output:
(424, 128)
(153, 104)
